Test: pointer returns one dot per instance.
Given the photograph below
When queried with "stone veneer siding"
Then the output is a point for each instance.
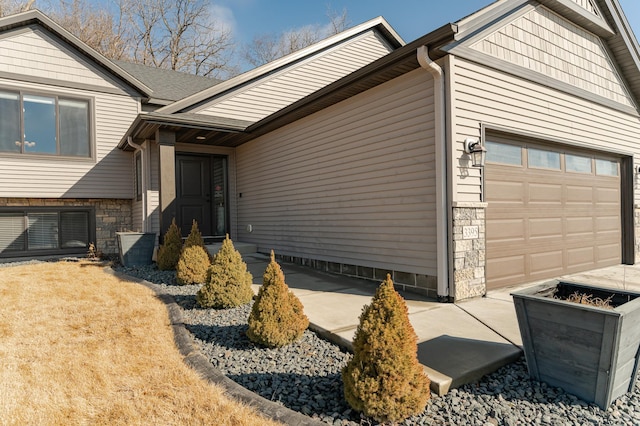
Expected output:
(405, 281)
(469, 238)
(112, 215)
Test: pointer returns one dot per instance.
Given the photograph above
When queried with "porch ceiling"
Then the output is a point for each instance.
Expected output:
(189, 128)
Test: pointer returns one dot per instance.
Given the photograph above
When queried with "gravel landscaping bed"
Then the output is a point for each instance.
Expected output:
(305, 376)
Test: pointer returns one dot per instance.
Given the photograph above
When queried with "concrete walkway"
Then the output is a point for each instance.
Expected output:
(457, 343)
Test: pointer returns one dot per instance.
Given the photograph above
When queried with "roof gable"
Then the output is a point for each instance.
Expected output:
(35, 53)
(584, 47)
(544, 42)
(34, 30)
(381, 38)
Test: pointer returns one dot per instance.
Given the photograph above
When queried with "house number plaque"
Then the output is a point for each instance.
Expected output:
(470, 232)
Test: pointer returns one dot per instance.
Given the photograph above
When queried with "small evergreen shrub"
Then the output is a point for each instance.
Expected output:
(192, 266)
(195, 237)
(229, 283)
(169, 252)
(277, 316)
(384, 379)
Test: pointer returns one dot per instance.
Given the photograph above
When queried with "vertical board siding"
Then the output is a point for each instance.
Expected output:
(109, 175)
(354, 183)
(485, 95)
(275, 92)
(35, 53)
(549, 44)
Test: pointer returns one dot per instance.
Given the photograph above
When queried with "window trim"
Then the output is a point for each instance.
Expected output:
(60, 209)
(90, 100)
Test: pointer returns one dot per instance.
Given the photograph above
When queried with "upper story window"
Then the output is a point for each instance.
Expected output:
(41, 124)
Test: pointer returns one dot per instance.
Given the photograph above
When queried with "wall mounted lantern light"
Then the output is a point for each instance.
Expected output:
(478, 153)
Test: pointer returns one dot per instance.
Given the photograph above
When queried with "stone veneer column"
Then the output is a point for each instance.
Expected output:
(469, 250)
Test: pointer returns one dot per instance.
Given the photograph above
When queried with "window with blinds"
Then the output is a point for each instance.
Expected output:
(45, 231)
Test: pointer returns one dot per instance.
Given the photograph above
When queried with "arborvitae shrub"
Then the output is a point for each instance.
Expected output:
(277, 316)
(192, 266)
(384, 379)
(228, 283)
(169, 251)
(195, 237)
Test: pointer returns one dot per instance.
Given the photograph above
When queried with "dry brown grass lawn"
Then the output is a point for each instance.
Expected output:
(79, 346)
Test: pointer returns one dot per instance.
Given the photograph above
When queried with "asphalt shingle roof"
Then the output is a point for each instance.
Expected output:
(168, 84)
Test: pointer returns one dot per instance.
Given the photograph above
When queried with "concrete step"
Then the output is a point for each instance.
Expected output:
(243, 248)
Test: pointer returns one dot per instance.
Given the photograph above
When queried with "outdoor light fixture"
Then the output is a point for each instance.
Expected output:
(200, 138)
(474, 148)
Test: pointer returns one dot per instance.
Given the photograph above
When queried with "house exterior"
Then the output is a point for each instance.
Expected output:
(350, 156)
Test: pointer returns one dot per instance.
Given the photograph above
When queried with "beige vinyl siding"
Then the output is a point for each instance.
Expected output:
(546, 43)
(34, 53)
(354, 183)
(109, 175)
(484, 95)
(587, 5)
(274, 92)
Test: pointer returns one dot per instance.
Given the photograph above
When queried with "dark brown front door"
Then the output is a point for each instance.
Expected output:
(193, 193)
(201, 194)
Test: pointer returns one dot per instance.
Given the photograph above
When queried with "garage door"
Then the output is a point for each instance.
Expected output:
(551, 211)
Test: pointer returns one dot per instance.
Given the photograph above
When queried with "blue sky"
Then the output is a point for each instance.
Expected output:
(410, 18)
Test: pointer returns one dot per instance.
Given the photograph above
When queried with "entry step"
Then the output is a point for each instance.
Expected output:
(243, 248)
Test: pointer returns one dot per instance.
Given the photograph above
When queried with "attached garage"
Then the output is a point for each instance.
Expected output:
(551, 210)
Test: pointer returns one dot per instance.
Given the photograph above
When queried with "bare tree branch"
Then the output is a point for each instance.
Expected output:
(181, 35)
(268, 47)
(96, 27)
(9, 7)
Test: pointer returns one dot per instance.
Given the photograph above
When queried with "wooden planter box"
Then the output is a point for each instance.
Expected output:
(136, 248)
(590, 352)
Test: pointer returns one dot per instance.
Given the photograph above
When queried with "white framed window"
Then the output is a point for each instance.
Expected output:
(43, 124)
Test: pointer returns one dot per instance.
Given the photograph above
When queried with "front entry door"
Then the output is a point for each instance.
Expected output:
(200, 194)
(193, 192)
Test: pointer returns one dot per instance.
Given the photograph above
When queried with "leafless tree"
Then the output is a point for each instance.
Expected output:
(99, 28)
(268, 47)
(181, 35)
(9, 7)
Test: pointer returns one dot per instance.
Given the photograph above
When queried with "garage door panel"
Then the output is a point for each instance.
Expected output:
(606, 224)
(507, 269)
(581, 256)
(506, 192)
(579, 195)
(607, 196)
(579, 226)
(546, 263)
(544, 227)
(561, 222)
(541, 193)
(608, 252)
(512, 230)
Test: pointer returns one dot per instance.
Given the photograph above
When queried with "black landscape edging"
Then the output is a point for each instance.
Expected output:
(194, 358)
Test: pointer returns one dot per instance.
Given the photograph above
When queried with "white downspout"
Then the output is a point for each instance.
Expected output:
(442, 216)
(144, 191)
